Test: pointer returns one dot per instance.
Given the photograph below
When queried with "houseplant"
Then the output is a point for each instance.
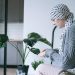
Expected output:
(30, 41)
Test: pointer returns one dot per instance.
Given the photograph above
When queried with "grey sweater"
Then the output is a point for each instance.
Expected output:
(67, 60)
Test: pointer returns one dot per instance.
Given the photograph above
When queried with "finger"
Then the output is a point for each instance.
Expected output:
(43, 50)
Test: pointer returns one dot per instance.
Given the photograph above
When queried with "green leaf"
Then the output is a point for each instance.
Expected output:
(31, 42)
(44, 40)
(35, 50)
(35, 64)
(3, 40)
(34, 35)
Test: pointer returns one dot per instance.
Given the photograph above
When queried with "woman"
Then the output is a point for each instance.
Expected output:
(61, 16)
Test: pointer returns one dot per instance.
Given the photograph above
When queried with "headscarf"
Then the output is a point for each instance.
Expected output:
(61, 11)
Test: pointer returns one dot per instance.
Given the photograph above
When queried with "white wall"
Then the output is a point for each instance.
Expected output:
(15, 31)
(36, 19)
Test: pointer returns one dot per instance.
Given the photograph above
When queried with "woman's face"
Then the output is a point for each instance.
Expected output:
(58, 22)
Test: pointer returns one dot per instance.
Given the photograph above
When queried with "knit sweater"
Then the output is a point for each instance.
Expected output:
(67, 60)
(68, 47)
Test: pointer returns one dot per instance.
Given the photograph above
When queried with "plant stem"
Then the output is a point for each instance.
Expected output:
(17, 50)
(25, 54)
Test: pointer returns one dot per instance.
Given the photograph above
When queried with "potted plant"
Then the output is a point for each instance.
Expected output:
(35, 64)
(30, 41)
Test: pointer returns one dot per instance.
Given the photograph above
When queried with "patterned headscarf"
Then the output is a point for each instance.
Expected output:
(61, 11)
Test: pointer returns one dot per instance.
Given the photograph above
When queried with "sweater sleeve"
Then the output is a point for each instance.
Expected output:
(50, 52)
(69, 49)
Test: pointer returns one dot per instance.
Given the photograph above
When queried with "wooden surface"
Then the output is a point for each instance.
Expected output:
(10, 71)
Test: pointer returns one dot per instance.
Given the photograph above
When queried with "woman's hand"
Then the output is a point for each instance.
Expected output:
(48, 52)
(42, 53)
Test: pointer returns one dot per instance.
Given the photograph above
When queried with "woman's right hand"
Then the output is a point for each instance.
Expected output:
(48, 52)
(42, 53)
